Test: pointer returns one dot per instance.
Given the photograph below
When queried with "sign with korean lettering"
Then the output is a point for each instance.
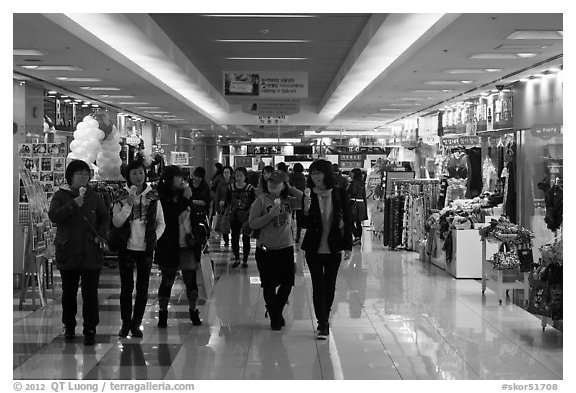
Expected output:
(461, 141)
(272, 120)
(351, 161)
(178, 158)
(266, 84)
(546, 131)
(272, 108)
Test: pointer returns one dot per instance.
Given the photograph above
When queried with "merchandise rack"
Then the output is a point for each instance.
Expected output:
(498, 284)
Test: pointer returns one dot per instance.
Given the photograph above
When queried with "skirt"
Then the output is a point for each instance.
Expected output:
(276, 267)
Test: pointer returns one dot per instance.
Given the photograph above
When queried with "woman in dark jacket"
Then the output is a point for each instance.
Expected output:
(327, 220)
(172, 253)
(298, 180)
(222, 194)
(358, 207)
(82, 220)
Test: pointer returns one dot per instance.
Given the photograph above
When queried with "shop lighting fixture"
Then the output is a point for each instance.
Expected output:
(393, 37)
(536, 35)
(266, 58)
(99, 88)
(85, 105)
(266, 41)
(554, 69)
(139, 50)
(68, 79)
(63, 96)
(94, 105)
(67, 100)
(524, 80)
(52, 92)
(259, 16)
(503, 56)
(27, 52)
(52, 67)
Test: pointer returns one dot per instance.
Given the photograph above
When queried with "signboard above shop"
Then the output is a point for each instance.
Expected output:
(546, 131)
(461, 141)
(274, 108)
(266, 84)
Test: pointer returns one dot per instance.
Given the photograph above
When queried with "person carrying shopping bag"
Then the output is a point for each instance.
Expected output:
(175, 251)
(82, 220)
(240, 197)
(328, 227)
(271, 214)
(138, 216)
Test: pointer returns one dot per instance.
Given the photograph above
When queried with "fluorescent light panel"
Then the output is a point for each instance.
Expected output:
(27, 52)
(157, 112)
(259, 16)
(133, 103)
(503, 56)
(472, 70)
(52, 67)
(68, 79)
(266, 41)
(147, 107)
(536, 35)
(96, 88)
(266, 58)
(443, 82)
(432, 91)
(115, 97)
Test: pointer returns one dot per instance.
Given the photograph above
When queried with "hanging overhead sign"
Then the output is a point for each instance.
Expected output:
(272, 120)
(272, 108)
(266, 84)
(179, 158)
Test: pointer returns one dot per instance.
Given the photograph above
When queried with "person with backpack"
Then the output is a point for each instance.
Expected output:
(179, 246)
(138, 215)
(271, 214)
(82, 220)
(240, 197)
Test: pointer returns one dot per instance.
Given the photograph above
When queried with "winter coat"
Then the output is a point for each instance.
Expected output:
(201, 193)
(338, 238)
(297, 180)
(139, 225)
(76, 248)
(221, 193)
(168, 247)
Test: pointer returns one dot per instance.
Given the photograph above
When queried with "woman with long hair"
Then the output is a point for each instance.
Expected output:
(263, 184)
(173, 252)
(328, 227)
(138, 214)
(222, 194)
(240, 197)
(82, 220)
(271, 214)
(358, 206)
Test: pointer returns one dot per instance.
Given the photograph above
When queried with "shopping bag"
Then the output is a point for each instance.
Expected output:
(538, 300)
(205, 278)
(222, 223)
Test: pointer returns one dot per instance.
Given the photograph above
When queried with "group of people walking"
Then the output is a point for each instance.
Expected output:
(168, 226)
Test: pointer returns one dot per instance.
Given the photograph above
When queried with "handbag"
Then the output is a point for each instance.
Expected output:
(99, 240)
(526, 259)
(222, 223)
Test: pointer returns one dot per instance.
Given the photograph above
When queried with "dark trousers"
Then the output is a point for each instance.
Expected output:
(357, 228)
(168, 278)
(127, 260)
(237, 228)
(70, 282)
(323, 271)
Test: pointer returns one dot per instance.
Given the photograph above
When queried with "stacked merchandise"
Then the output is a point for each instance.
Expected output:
(406, 210)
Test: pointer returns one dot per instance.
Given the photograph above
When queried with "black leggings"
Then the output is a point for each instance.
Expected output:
(168, 278)
(237, 229)
(323, 271)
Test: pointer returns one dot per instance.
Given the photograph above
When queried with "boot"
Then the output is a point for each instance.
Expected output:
(163, 319)
(136, 330)
(124, 330)
(195, 317)
(69, 333)
(89, 337)
(275, 318)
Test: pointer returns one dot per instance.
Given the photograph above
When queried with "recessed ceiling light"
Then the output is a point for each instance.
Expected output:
(536, 35)
(266, 58)
(94, 105)
(554, 69)
(266, 41)
(63, 96)
(524, 80)
(389, 110)
(471, 70)
(95, 88)
(259, 16)
(27, 52)
(502, 55)
(68, 79)
(52, 67)
(52, 92)
(518, 47)
(133, 103)
(466, 82)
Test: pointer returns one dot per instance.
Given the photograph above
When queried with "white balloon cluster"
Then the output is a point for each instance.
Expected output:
(86, 143)
(108, 160)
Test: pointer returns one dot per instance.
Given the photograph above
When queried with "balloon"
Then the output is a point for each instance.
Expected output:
(74, 144)
(103, 122)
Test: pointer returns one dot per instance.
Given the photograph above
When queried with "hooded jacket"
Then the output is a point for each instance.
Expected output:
(75, 244)
(141, 224)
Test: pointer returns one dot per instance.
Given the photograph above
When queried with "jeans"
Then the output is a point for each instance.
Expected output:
(127, 260)
(70, 282)
(323, 271)
(236, 228)
(168, 278)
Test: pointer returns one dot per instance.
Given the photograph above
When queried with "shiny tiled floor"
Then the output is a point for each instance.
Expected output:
(394, 317)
